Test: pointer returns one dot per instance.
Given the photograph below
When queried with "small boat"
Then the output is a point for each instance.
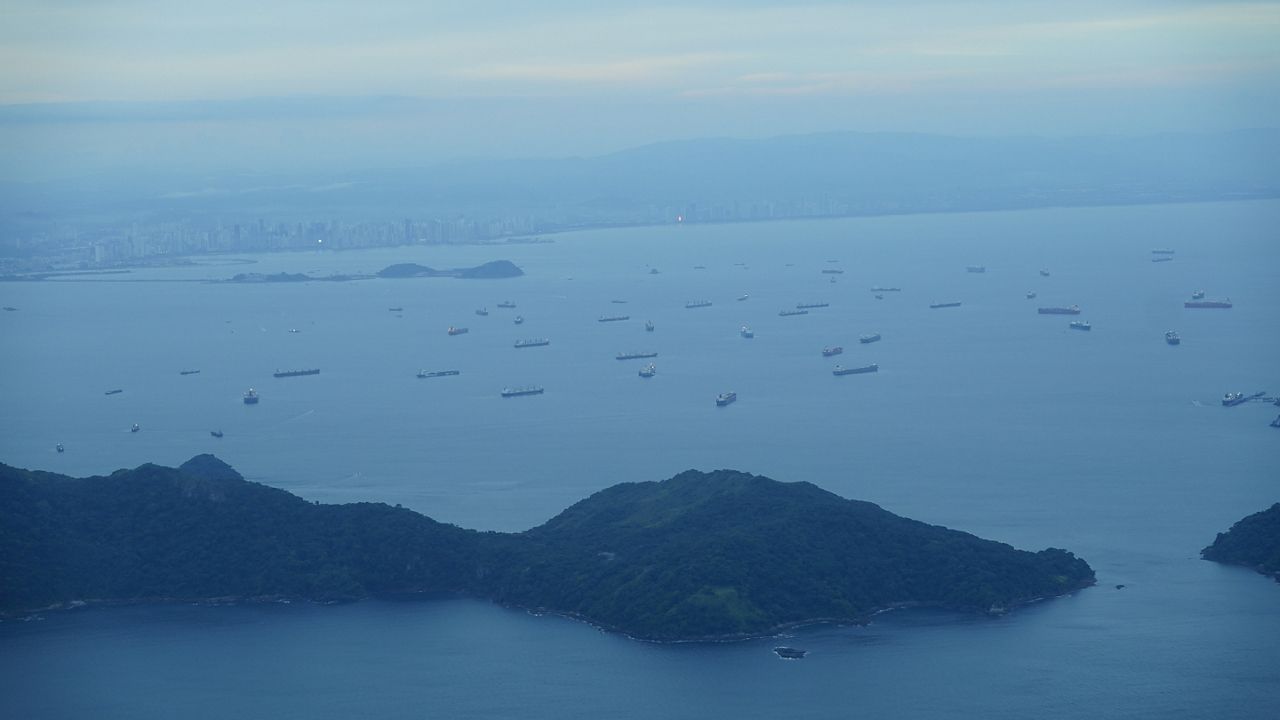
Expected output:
(747, 332)
(976, 268)
(618, 302)
(1161, 259)
(188, 372)
(1172, 338)
(743, 297)
(829, 351)
(1238, 398)
(518, 392)
(1274, 423)
(833, 279)
(437, 373)
(653, 271)
(506, 304)
(251, 397)
(59, 447)
(1031, 294)
(648, 326)
(216, 433)
(10, 308)
(396, 309)
(726, 398)
(873, 337)
(117, 391)
(519, 320)
(790, 653)
(135, 428)
(458, 330)
(482, 311)
(840, 370)
(886, 289)
(1197, 295)
(648, 371)
(1044, 272)
(1080, 325)
(879, 296)
(935, 306)
(294, 330)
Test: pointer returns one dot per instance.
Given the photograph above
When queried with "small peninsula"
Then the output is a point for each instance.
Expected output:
(1253, 542)
(701, 556)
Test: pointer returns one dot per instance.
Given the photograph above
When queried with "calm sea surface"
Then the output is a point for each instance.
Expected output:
(987, 418)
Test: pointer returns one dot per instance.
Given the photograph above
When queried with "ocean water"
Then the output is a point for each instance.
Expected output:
(987, 418)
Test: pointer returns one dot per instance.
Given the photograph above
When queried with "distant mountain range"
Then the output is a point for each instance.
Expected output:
(703, 180)
(700, 556)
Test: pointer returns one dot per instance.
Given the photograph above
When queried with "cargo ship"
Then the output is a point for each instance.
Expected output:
(188, 372)
(1207, 304)
(747, 332)
(618, 302)
(613, 318)
(840, 370)
(790, 653)
(873, 337)
(295, 373)
(1080, 325)
(635, 355)
(113, 392)
(810, 306)
(251, 397)
(976, 268)
(726, 398)
(648, 370)
(1172, 338)
(789, 313)
(829, 351)
(517, 392)
(458, 330)
(1073, 310)
(506, 304)
(533, 342)
(697, 304)
(832, 271)
(886, 289)
(395, 309)
(1161, 259)
(1162, 251)
(935, 306)
(437, 373)
(1236, 398)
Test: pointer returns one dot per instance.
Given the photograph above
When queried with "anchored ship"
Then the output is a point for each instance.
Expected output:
(886, 289)
(833, 271)
(534, 342)
(613, 318)
(437, 373)
(1073, 310)
(807, 306)
(506, 304)
(188, 372)
(1207, 304)
(873, 337)
(935, 306)
(726, 398)
(482, 311)
(636, 355)
(976, 268)
(295, 373)
(458, 330)
(517, 392)
(1162, 251)
(839, 370)
(1236, 398)
(829, 351)
(1161, 259)
(1080, 325)
(648, 371)
(216, 433)
(788, 313)
(113, 392)
(697, 304)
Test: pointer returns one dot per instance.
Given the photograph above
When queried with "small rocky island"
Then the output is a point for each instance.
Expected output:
(1254, 542)
(701, 556)
(496, 270)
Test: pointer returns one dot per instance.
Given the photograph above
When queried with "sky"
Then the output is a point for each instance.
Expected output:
(92, 85)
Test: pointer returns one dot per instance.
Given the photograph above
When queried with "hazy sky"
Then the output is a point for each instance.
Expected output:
(326, 83)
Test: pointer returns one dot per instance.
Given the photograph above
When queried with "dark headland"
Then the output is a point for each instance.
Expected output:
(495, 270)
(701, 556)
(1253, 542)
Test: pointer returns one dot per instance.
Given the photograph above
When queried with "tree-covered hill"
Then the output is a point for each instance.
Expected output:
(1253, 542)
(702, 555)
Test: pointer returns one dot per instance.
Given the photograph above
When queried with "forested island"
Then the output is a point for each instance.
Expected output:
(701, 556)
(1253, 542)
